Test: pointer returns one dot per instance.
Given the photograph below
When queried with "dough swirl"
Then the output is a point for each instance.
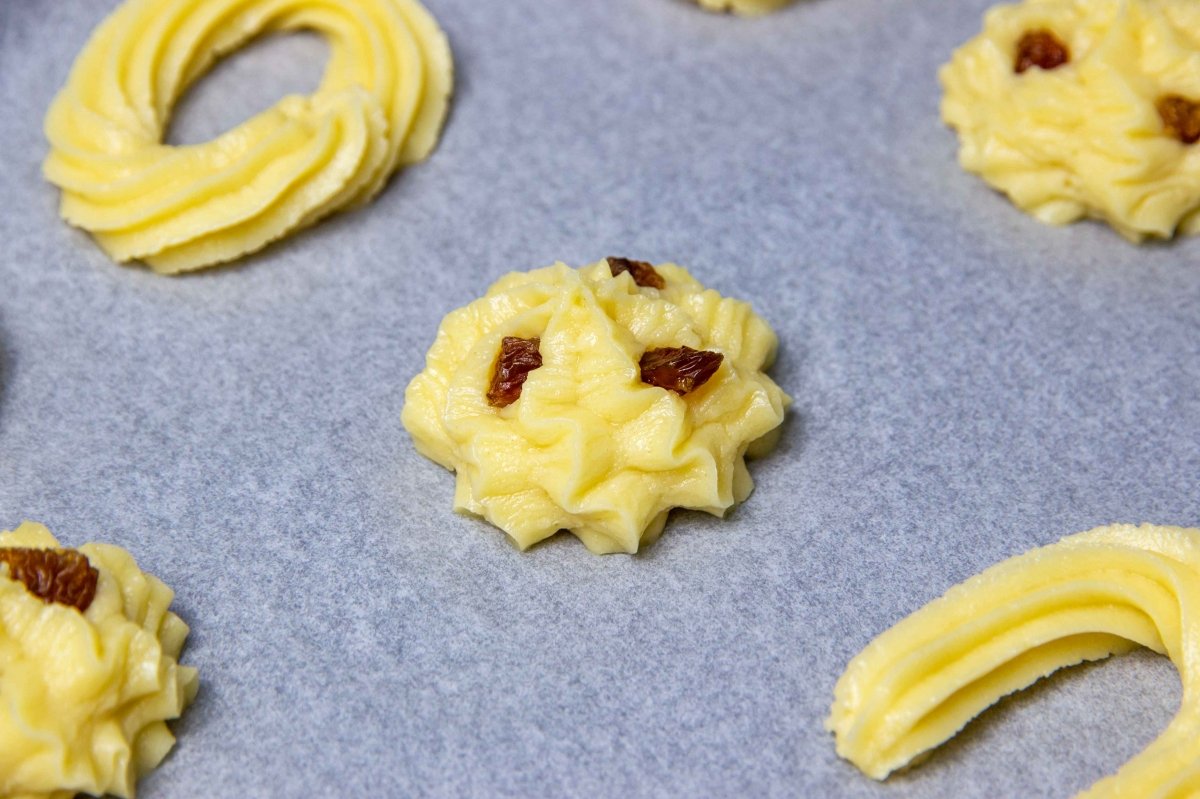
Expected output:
(1085, 138)
(588, 447)
(87, 695)
(380, 105)
(1089, 596)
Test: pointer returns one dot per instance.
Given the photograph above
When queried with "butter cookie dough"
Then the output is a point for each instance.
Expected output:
(1085, 108)
(594, 400)
(747, 8)
(90, 672)
(1089, 596)
(380, 106)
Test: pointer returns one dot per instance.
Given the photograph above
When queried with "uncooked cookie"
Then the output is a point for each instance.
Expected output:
(1089, 596)
(1085, 108)
(744, 7)
(380, 106)
(90, 673)
(595, 400)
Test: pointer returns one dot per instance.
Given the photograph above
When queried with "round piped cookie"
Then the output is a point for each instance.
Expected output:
(595, 400)
(1085, 108)
(90, 670)
(380, 106)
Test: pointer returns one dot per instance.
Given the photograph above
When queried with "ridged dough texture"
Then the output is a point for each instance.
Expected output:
(588, 447)
(380, 106)
(1084, 139)
(748, 8)
(87, 694)
(1089, 596)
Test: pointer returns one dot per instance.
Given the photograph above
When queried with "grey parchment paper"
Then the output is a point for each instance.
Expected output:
(969, 383)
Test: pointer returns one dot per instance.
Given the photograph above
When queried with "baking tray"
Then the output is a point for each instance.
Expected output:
(968, 384)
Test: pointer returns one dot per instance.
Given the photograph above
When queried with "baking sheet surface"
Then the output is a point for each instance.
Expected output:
(968, 384)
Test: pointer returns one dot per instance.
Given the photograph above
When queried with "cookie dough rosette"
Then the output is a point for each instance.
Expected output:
(88, 668)
(1085, 108)
(595, 400)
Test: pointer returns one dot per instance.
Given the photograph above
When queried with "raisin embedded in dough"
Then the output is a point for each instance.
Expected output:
(518, 357)
(64, 576)
(1041, 48)
(642, 272)
(679, 369)
(1181, 117)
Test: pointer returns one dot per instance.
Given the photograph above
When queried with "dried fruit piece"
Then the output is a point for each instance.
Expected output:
(643, 273)
(1040, 48)
(64, 576)
(518, 357)
(1180, 116)
(679, 369)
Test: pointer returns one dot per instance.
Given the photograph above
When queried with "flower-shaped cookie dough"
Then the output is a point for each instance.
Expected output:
(89, 670)
(595, 400)
(1080, 108)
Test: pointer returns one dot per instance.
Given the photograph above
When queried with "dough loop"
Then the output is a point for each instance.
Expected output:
(1089, 596)
(380, 106)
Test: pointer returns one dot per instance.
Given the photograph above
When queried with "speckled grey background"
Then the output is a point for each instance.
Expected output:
(968, 384)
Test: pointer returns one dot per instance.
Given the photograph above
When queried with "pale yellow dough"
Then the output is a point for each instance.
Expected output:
(745, 7)
(1084, 139)
(1089, 596)
(588, 447)
(87, 694)
(380, 106)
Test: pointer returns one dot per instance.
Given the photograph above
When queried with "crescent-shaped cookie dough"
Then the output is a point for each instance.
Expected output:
(595, 400)
(380, 106)
(1089, 596)
(1085, 108)
(90, 674)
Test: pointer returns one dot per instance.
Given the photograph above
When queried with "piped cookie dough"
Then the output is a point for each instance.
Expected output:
(1085, 108)
(747, 8)
(595, 400)
(88, 668)
(380, 106)
(1089, 596)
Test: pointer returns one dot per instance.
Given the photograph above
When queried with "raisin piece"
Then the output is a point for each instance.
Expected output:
(518, 357)
(679, 369)
(643, 273)
(1180, 116)
(64, 576)
(1040, 48)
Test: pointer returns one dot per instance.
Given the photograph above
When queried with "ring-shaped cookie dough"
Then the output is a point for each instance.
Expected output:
(87, 693)
(380, 105)
(1089, 596)
(1083, 133)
